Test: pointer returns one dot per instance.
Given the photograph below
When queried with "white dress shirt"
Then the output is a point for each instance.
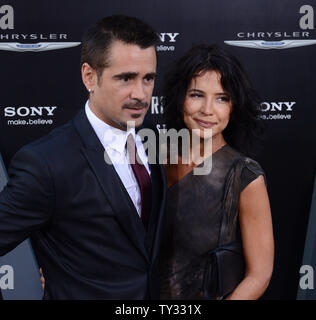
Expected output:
(114, 143)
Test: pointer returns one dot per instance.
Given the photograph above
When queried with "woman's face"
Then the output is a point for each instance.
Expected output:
(207, 105)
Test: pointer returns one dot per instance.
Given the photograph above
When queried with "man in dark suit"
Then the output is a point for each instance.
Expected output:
(95, 226)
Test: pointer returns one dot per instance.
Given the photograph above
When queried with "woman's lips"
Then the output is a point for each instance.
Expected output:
(205, 124)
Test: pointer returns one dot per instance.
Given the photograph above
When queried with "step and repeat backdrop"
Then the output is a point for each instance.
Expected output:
(41, 89)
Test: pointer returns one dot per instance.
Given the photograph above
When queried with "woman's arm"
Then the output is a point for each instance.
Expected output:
(257, 238)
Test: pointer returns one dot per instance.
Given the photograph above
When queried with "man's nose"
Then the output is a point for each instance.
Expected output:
(138, 91)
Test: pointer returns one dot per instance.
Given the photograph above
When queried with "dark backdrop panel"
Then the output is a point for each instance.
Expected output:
(288, 153)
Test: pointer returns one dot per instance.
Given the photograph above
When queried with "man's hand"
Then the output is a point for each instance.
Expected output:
(42, 278)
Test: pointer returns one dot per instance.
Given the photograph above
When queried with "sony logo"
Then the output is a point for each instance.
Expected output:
(276, 106)
(171, 37)
(28, 111)
(6, 17)
(307, 20)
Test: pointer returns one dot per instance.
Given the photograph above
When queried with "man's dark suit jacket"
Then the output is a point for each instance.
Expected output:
(85, 230)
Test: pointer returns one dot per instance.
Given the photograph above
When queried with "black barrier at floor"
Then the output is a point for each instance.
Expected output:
(19, 276)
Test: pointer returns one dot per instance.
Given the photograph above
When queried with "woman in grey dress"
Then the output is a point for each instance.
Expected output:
(208, 89)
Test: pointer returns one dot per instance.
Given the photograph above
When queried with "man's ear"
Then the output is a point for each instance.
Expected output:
(89, 77)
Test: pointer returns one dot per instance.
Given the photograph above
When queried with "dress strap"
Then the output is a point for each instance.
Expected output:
(230, 202)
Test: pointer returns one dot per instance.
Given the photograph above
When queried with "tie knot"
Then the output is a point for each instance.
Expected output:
(130, 141)
(132, 150)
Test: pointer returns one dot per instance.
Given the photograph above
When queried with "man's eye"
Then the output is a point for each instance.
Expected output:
(149, 79)
(125, 79)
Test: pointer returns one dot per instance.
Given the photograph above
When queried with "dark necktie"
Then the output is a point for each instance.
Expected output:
(142, 177)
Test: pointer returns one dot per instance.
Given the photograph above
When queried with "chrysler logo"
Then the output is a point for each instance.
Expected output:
(260, 44)
(36, 47)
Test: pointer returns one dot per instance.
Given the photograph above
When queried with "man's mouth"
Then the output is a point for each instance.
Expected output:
(137, 105)
(136, 108)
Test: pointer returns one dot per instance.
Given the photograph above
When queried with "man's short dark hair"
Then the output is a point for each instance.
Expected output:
(98, 38)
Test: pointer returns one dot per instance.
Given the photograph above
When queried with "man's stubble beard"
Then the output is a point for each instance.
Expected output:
(124, 125)
(137, 104)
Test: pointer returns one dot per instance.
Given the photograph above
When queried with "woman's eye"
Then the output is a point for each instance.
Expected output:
(224, 99)
(195, 95)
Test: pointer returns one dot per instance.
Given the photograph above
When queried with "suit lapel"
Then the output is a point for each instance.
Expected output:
(110, 183)
(159, 188)
(156, 204)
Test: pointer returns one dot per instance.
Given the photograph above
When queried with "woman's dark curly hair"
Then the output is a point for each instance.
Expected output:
(244, 126)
